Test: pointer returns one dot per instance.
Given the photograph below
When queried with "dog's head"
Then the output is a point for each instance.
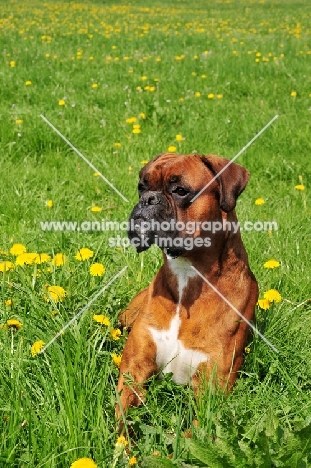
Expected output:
(167, 213)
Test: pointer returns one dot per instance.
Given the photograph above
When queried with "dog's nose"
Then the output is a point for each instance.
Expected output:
(150, 198)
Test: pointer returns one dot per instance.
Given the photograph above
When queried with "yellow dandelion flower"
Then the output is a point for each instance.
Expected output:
(300, 187)
(6, 266)
(117, 145)
(36, 347)
(121, 442)
(61, 102)
(151, 89)
(28, 83)
(12, 63)
(14, 323)
(3, 326)
(83, 463)
(42, 258)
(130, 168)
(84, 254)
(142, 115)
(116, 358)
(97, 269)
(158, 59)
(115, 333)
(26, 259)
(210, 96)
(219, 96)
(18, 249)
(271, 264)
(171, 149)
(144, 162)
(259, 201)
(133, 461)
(131, 120)
(143, 78)
(56, 293)
(136, 130)
(94, 85)
(59, 260)
(96, 209)
(264, 304)
(102, 319)
(136, 126)
(18, 121)
(179, 138)
(49, 203)
(181, 99)
(272, 295)
(197, 94)
(293, 93)
(247, 350)
(9, 303)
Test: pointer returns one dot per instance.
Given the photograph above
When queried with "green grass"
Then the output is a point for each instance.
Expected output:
(59, 406)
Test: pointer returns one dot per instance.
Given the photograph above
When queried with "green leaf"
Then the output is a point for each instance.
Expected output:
(208, 454)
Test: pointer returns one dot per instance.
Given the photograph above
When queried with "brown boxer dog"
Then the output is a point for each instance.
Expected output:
(179, 324)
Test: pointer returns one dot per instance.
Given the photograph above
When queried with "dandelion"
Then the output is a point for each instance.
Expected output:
(136, 129)
(144, 162)
(115, 333)
(300, 187)
(12, 63)
(84, 254)
(56, 293)
(130, 168)
(61, 102)
(9, 303)
(36, 347)
(272, 295)
(142, 115)
(259, 201)
(219, 96)
(14, 323)
(6, 266)
(94, 85)
(143, 78)
(42, 258)
(179, 138)
(197, 94)
(210, 96)
(97, 269)
(96, 174)
(133, 461)
(117, 145)
(293, 93)
(116, 358)
(96, 209)
(121, 442)
(59, 260)
(131, 120)
(26, 259)
(18, 121)
(102, 319)
(28, 83)
(83, 463)
(271, 264)
(49, 203)
(264, 304)
(171, 149)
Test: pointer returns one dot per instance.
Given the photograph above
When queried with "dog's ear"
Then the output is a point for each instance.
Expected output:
(232, 181)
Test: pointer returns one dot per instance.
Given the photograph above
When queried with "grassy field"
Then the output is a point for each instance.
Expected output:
(214, 72)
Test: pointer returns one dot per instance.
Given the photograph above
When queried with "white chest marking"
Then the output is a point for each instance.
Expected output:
(172, 356)
(181, 268)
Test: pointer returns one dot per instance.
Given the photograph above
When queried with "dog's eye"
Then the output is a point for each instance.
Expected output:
(180, 191)
(141, 187)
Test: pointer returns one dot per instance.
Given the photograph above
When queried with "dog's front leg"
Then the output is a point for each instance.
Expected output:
(137, 365)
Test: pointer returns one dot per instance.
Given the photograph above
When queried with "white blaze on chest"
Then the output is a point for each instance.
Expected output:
(172, 356)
